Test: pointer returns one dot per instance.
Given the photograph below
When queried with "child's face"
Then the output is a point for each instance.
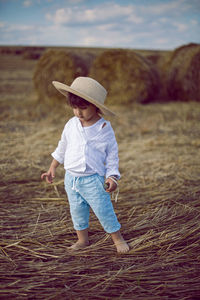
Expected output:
(86, 114)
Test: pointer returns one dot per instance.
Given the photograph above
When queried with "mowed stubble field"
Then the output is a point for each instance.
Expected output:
(158, 205)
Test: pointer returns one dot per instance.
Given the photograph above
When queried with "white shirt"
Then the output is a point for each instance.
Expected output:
(88, 150)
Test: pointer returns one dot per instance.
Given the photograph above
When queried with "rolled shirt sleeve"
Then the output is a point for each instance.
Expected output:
(112, 159)
(59, 153)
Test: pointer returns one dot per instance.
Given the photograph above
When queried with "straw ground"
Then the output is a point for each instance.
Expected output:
(158, 205)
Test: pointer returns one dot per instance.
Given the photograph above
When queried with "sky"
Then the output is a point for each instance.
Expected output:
(135, 24)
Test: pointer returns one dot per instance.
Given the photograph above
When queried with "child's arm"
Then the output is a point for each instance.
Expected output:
(58, 157)
(50, 174)
(112, 163)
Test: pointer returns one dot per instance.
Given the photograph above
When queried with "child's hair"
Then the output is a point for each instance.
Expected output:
(74, 100)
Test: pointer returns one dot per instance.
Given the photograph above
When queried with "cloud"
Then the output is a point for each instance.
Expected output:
(2, 25)
(18, 28)
(158, 24)
(180, 26)
(27, 3)
(99, 14)
(122, 25)
(194, 22)
(162, 41)
(165, 8)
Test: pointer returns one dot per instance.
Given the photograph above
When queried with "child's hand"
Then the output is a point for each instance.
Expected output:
(111, 185)
(49, 175)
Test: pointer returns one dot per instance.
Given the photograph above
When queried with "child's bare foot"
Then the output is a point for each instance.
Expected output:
(120, 243)
(82, 240)
(122, 247)
(78, 245)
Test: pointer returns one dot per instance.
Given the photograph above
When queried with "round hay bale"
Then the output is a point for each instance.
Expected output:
(59, 65)
(162, 65)
(183, 73)
(127, 76)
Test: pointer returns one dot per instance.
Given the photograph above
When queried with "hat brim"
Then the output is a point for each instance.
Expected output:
(65, 89)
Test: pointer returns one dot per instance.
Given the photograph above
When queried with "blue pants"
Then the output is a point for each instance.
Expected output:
(85, 192)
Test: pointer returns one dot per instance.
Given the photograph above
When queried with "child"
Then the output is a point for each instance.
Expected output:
(89, 151)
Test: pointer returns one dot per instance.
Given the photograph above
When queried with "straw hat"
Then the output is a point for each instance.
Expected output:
(88, 89)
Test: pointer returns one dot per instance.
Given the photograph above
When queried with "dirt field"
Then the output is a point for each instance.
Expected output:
(158, 205)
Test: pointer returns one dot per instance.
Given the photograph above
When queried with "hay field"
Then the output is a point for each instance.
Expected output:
(158, 205)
